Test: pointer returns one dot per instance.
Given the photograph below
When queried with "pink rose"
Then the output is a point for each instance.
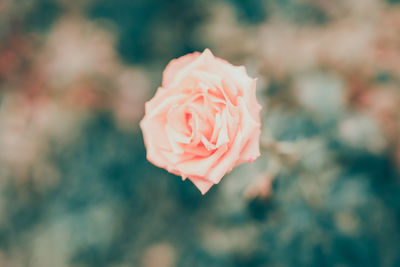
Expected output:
(204, 119)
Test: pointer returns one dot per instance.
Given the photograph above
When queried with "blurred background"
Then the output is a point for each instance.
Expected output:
(76, 188)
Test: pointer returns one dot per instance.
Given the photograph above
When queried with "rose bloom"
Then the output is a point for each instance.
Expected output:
(203, 120)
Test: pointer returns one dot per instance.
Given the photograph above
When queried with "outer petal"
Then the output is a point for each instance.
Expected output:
(205, 61)
(175, 65)
(155, 143)
(251, 150)
(251, 101)
(200, 167)
(202, 184)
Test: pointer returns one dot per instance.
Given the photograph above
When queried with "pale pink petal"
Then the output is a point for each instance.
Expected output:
(217, 127)
(205, 59)
(251, 151)
(227, 162)
(208, 145)
(172, 139)
(251, 101)
(248, 124)
(201, 166)
(175, 65)
(162, 109)
(230, 89)
(202, 184)
(223, 137)
(153, 144)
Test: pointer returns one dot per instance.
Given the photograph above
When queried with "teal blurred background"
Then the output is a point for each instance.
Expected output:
(76, 188)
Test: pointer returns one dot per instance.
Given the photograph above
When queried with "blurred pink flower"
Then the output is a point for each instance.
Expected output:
(76, 49)
(204, 119)
(27, 122)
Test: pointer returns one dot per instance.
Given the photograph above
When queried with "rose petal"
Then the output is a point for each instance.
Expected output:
(247, 122)
(163, 107)
(200, 167)
(203, 60)
(153, 145)
(223, 133)
(217, 127)
(202, 184)
(251, 150)
(175, 65)
(227, 162)
(251, 101)
(173, 136)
